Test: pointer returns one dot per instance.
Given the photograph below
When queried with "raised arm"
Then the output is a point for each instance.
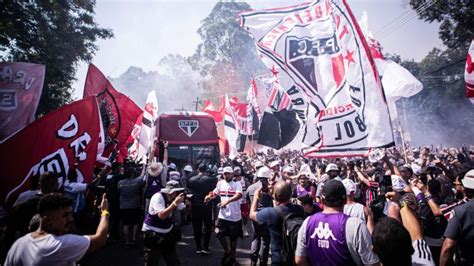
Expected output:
(99, 239)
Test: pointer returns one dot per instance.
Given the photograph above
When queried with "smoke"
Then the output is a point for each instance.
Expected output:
(433, 120)
(175, 83)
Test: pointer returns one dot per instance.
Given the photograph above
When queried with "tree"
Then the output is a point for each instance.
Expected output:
(57, 34)
(456, 18)
(227, 56)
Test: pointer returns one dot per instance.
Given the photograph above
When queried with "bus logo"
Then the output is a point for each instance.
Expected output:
(189, 127)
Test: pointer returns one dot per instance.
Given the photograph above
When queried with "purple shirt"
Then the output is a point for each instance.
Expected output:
(326, 239)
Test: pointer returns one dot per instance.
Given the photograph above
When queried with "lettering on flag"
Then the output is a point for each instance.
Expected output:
(21, 85)
(61, 138)
(318, 50)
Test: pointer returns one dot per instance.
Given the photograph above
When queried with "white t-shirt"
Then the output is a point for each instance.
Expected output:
(227, 190)
(48, 250)
(157, 204)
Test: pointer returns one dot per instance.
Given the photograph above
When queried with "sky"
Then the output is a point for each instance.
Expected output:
(146, 30)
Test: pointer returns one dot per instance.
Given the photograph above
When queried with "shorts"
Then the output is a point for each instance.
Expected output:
(244, 210)
(130, 216)
(233, 230)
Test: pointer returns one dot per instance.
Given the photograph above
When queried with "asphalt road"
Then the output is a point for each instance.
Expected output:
(116, 254)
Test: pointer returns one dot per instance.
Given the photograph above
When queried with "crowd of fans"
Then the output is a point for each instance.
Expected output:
(392, 208)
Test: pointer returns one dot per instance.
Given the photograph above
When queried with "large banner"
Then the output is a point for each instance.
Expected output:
(320, 48)
(21, 85)
(118, 112)
(55, 142)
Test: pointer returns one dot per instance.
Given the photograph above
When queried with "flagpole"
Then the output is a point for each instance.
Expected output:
(403, 141)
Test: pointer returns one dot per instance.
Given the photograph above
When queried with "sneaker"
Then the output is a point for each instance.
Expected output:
(206, 251)
(246, 233)
(199, 251)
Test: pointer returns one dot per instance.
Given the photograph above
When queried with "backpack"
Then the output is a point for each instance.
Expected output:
(290, 227)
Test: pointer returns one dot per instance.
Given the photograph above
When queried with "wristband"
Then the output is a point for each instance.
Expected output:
(174, 204)
(428, 198)
(402, 204)
(105, 213)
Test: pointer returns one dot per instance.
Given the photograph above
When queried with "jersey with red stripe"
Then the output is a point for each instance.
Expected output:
(227, 190)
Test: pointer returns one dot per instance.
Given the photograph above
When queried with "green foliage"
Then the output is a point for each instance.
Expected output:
(456, 18)
(57, 34)
(227, 57)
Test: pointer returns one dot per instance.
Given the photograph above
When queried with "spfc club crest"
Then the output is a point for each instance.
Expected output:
(189, 127)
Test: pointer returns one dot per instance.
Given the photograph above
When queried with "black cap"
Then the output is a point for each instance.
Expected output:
(334, 192)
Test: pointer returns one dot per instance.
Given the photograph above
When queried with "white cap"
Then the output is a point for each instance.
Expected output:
(332, 167)
(220, 170)
(237, 169)
(398, 184)
(188, 168)
(174, 175)
(228, 169)
(264, 172)
(350, 186)
(274, 163)
(468, 180)
(416, 169)
(288, 169)
(172, 166)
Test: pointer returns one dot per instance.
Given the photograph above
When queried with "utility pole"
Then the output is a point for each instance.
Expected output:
(196, 102)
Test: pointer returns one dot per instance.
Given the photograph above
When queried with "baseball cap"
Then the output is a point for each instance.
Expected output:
(172, 166)
(334, 191)
(188, 168)
(237, 169)
(349, 185)
(332, 167)
(228, 169)
(468, 180)
(220, 170)
(258, 164)
(171, 187)
(288, 169)
(274, 163)
(398, 184)
(264, 172)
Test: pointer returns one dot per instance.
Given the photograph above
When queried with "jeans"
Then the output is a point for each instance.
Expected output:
(260, 244)
(202, 215)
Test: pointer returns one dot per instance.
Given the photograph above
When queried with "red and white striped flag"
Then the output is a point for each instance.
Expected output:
(469, 73)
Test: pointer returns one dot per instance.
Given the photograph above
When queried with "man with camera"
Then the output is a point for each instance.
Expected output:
(160, 235)
(261, 237)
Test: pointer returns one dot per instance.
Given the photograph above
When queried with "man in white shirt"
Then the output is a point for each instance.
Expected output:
(50, 244)
(159, 237)
(229, 223)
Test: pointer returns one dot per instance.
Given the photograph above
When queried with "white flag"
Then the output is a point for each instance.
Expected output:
(147, 132)
(230, 127)
(321, 49)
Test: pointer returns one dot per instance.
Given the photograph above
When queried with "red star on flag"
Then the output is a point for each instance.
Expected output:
(274, 71)
(349, 57)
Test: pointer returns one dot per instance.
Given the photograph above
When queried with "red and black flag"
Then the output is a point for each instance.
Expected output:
(54, 143)
(118, 112)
